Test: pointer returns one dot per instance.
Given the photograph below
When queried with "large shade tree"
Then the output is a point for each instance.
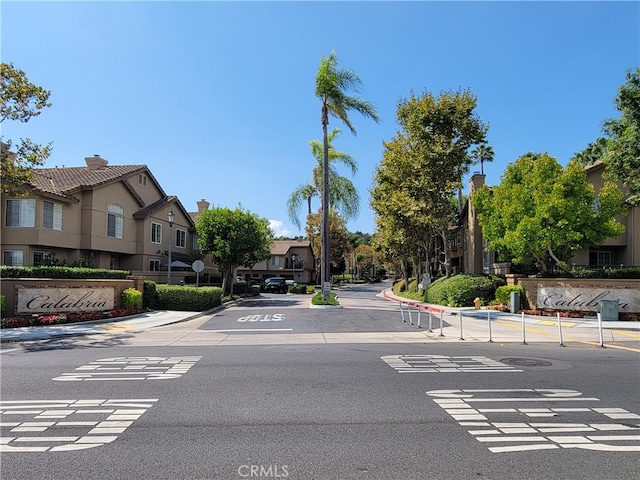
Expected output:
(623, 145)
(343, 195)
(21, 101)
(332, 87)
(422, 167)
(233, 238)
(544, 212)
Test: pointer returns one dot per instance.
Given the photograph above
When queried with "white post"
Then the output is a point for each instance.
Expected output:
(441, 313)
(460, 315)
(524, 336)
(600, 329)
(560, 329)
(489, 322)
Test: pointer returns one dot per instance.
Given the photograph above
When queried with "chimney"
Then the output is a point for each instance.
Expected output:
(95, 162)
(203, 206)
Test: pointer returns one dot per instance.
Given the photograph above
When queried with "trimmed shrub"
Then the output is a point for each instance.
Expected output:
(318, 299)
(190, 299)
(399, 286)
(461, 290)
(70, 273)
(150, 296)
(503, 294)
(131, 298)
(298, 288)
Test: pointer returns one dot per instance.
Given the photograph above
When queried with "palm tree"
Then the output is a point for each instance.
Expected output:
(342, 194)
(483, 153)
(332, 83)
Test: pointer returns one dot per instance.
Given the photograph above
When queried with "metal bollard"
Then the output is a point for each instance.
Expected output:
(489, 322)
(524, 336)
(460, 315)
(441, 313)
(560, 329)
(402, 312)
(600, 330)
(430, 331)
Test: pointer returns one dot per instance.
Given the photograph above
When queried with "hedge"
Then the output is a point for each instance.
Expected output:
(71, 273)
(190, 299)
(461, 290)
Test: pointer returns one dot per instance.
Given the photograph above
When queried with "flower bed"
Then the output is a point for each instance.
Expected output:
(60, 318)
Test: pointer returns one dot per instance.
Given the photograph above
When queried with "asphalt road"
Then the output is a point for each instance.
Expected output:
(122, 407)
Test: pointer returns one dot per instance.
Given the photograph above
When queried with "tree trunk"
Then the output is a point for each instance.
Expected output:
(447, 258)
(325, 272)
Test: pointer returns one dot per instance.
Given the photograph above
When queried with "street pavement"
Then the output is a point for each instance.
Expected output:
(423, 322)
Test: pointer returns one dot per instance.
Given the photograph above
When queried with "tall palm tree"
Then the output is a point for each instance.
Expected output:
(342, 194)
(483, 153)
(332, 85)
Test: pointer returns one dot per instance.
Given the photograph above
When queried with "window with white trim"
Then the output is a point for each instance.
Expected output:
(115, 221)
(156, 232)
(42, 258)
(12, 258)
(52, 215)
(154, 265)
(181, 238)
(275, 261)
(21, 212)
(599, 258)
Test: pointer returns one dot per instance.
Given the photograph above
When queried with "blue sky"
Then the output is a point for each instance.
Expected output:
(217, 98)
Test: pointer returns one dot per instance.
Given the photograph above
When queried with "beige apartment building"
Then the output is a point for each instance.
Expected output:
(117, 217)
(103, 216)
(470, 254)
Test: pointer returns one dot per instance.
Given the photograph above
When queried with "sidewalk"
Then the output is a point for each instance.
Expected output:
(472, 324)
(483, 314)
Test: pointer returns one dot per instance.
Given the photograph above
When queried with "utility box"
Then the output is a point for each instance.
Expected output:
(609, 310)
(514, 304)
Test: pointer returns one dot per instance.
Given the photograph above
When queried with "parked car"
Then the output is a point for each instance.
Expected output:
(276, 284)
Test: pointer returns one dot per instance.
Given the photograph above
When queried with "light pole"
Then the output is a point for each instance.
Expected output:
(171, 217)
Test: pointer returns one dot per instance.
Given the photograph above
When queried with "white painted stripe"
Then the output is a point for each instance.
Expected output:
(512, 439)
(522, 448)
(241, 330)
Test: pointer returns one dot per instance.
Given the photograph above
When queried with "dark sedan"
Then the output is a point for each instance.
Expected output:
(276, 284)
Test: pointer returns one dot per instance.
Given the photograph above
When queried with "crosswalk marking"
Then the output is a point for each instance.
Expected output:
(445, 364)
(131, 368)
(82, 428)
(463, 406)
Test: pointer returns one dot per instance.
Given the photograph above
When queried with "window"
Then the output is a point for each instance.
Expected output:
(52, 216)
(115, 221)
(599, 259)
(42, 258)
(142, 180)
(181, 238)
(156, 233)
(12, 258)
(154, 265)
(195, 242)
(275, 261)
(21, 212)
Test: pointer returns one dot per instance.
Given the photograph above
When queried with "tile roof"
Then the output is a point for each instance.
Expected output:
(281, 247)
(67, 180)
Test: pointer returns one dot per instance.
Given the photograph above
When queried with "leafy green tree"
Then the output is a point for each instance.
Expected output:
(233, 238)
(339, 238)
(21, 101)
(422, 167)
(332, 87)
(594, 152)
(483, 153)
(623, 145)
(343, 195)
(541, 211)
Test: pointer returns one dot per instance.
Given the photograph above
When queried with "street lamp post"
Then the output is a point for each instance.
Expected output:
(171, 217)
